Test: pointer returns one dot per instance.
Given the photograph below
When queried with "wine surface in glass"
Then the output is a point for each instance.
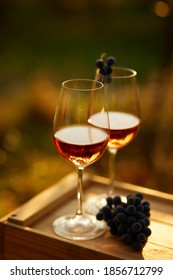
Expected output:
(81, 144)
(123, 128)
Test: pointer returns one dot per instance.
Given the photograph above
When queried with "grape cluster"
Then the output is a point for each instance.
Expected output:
(105, 68)
(129, 220)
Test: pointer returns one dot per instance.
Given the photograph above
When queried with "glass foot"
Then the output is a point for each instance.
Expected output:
(95, 203)
(78, 227)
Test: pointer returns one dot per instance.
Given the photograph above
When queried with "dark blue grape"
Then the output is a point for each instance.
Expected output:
(126, 238)
(139, 207)
(142, 222)
(117, 200)
(137, 200)
(110, 60)
(131, 232)
(146, 209)
(131, 220)
(119, 209)
(116, 223)
(141, 237)
(110, 223)
(120, 218)
(140, 195)
(139, 215)
(145, 203)
(137, 245)
(136, 227)
(102, 71)
(147, 221)
(130, 200)
(99, 216)
(130, 210)
(147, 231)
(106, 213)
(122, 228)
(109, 201)
(108, 70)
(99, 63)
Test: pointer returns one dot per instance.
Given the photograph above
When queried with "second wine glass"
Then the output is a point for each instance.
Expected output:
(124, 116)
(81, 144)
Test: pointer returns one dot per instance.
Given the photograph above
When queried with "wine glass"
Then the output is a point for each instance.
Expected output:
(81, 144)
(121, 90)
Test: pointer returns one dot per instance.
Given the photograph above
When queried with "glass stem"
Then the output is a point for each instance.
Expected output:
(112, 155)
(79, 210)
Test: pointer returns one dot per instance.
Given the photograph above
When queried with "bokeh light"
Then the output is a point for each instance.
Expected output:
(162, 8)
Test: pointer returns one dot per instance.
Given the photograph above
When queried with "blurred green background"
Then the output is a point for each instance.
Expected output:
(43, 43)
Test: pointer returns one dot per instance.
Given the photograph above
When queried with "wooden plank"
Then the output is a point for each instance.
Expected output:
(20, 243)
(164, 218)
(27, 244)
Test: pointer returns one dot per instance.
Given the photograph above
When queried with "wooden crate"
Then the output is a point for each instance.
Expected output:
(27, 233)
